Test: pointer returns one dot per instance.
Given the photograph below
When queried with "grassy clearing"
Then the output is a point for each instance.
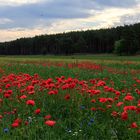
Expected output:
(99, 58)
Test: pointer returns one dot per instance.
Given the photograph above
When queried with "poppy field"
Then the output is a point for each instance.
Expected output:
(78, 99)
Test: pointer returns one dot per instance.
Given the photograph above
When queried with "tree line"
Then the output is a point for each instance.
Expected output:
(90, 41)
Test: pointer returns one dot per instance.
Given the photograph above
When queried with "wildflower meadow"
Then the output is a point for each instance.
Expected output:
(71, 98)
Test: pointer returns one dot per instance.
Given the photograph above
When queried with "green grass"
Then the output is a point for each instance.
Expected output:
(71, 57)
(73, 116)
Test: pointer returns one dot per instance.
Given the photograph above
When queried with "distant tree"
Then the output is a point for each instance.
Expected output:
(90, 41)
(120, 47)
(131, 40)
(65, 45)
(80, 46)
(123, 48)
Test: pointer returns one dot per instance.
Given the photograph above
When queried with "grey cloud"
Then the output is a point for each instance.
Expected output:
(46, 13)
(127, 20)
(117, 3)
(32, 14)
(130, 19)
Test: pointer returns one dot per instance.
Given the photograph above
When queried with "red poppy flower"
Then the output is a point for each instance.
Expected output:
(47, 116)
(18, 120)
(31, 92)
(23, 97)
(114, 114)
(108, 106)
(1, 116)
(134, 125)
(93, 109)
(117, 93)
(138, 110)
(7, 86)
(124, 115)
(128, 98)
(126, 108)
(119, 104)
(22, 90)
(0, 90)
(110, 100)
(15, 124)
(6, 95)
(102, 100)
(30, 88)
(67, 97)
(93, 100)
(50, 123)
(51, 92)
(37, 111)
(9, 91)
(30, 102)
(101, 109)
(26, 122)
(116, 98)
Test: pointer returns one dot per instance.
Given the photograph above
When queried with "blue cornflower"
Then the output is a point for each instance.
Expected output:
(6, 130)
(91, 120)
(82, 107)
(89, 123)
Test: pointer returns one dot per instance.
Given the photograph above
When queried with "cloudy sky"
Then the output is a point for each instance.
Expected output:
(24, 18)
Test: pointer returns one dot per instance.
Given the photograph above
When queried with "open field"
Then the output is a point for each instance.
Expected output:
(71, 57)
(70, 97)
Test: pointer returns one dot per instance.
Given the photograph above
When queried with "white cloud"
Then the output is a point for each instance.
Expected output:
(112, 16)
(11, 34)
(5, 21)
(101, 19)
(18, 2)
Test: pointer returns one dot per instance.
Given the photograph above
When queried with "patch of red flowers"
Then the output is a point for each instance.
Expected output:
(18, 92)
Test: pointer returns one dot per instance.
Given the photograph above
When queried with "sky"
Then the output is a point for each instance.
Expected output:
(28, 18)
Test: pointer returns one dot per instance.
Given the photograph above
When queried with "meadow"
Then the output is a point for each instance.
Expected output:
(79, 97)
